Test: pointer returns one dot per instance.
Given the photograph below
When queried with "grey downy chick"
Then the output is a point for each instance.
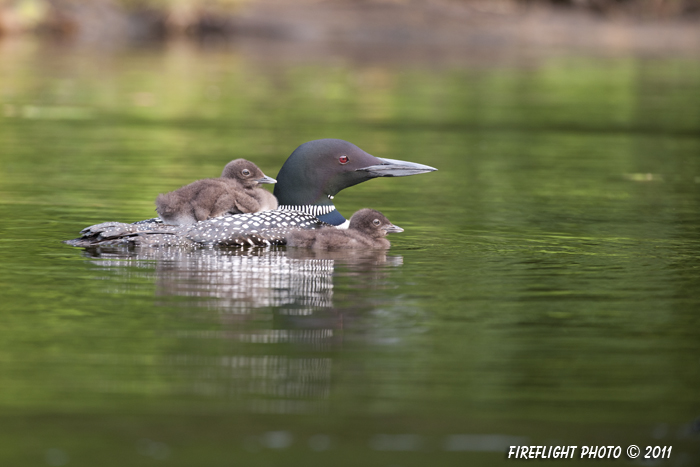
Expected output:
(367, 230)
(265, 199)
(237, 191)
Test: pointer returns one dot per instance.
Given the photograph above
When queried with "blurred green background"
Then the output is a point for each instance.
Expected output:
(544, 291)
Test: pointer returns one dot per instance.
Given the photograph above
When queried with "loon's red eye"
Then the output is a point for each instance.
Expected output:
(343, 159)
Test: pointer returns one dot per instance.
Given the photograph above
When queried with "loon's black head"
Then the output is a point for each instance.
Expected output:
(318, 170)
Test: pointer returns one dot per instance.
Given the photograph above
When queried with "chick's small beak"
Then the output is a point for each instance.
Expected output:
(391, 228)
(266, 179)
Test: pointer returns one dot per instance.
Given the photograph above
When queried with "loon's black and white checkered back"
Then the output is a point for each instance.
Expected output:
(257, 229)
(260, 228)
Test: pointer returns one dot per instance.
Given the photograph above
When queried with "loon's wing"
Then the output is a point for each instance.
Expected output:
(116, 233)
(257, 229)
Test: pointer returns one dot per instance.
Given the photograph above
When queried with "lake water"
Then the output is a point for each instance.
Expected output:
(546, 290)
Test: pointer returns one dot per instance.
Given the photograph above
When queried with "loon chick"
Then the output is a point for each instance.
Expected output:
(307, 182)
(237, 191)
(367, 229)
(265, 199)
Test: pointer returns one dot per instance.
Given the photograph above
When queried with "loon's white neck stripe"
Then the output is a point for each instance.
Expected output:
(311, 209)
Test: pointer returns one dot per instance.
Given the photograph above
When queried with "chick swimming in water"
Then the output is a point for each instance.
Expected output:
(367, 229)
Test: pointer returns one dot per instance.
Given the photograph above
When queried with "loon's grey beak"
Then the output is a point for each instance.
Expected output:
(266, 179)
(394, 168)
(391, 228)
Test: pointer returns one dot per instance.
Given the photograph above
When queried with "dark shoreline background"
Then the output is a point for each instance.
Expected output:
(435, 30)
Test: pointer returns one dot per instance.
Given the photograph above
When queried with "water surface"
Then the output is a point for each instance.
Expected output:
(545, 290)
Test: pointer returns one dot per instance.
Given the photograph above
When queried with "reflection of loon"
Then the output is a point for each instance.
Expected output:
(309, 179)
(263, 297)
(296, 283)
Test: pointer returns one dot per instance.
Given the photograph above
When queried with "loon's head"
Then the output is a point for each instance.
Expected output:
(246, 173)
(372, 223)
(316, 171)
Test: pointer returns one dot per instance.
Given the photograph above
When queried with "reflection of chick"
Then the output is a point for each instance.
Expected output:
(367, 230)
(236, 191)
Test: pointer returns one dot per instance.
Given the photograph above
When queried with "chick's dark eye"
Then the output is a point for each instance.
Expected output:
(343, 159)
(245, 172)
(376, 222)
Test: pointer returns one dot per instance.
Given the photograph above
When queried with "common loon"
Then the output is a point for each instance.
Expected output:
(237, 191)
(306, 184)
(367, 229)
(316, 171)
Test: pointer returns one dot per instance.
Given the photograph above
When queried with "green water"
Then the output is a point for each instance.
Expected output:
(545, 290)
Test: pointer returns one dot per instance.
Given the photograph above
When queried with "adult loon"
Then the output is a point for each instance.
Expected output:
(306, 184)
(237, 191)
(367, 230)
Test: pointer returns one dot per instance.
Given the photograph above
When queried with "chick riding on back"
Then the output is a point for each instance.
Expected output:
(237, 191)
